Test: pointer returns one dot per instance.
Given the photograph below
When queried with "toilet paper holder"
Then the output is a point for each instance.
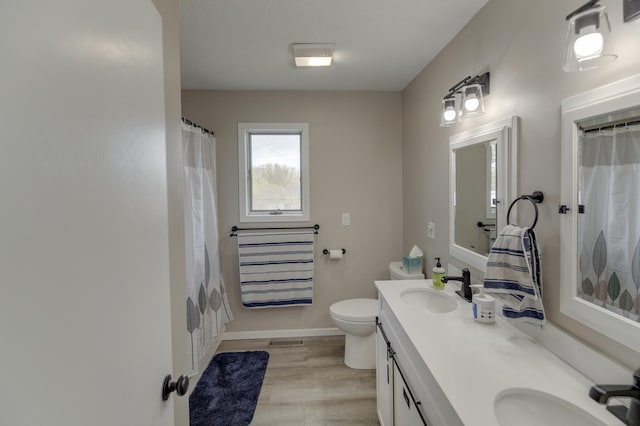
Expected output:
(326, 251)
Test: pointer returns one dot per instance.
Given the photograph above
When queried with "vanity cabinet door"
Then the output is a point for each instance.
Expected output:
(405, 411)
(384, 381)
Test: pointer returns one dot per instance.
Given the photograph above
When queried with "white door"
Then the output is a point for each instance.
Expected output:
(84, 281)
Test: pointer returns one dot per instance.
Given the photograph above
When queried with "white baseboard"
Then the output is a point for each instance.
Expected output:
(270, 334)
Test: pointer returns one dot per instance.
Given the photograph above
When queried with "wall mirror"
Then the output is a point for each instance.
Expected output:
(482, 182)
(600, 219)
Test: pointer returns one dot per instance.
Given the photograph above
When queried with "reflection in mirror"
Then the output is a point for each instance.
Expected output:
(475, 202)
(600, 245)
(482, 179)
(609, 202)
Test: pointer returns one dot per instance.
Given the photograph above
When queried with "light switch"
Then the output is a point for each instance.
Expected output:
(431, 230)
(346, 219)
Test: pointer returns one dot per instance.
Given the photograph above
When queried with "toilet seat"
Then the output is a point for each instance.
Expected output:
(355, 310)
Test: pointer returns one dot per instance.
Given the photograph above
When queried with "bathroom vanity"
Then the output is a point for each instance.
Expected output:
(437, 366)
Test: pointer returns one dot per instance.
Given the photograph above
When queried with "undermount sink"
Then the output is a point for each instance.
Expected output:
(528, 407)
(430, 300)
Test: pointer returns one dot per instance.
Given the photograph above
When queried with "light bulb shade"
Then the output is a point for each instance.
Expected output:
(449, 115)
(472, 102)
(587, 40)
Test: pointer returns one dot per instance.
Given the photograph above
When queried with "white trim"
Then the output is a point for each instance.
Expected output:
(620, 95)
(244, 129)
(271, 334)
(505, 133)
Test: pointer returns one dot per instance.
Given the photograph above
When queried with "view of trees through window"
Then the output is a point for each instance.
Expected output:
(275, 172)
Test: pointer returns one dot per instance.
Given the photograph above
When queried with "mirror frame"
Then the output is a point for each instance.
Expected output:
(505, 132)
(612, 97)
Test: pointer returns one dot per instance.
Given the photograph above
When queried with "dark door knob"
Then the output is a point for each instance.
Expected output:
(181, 386)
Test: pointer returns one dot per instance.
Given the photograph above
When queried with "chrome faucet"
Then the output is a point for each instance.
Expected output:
(631, 415)
(465, 279)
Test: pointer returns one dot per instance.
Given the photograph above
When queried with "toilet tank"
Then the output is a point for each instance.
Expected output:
(397, 272)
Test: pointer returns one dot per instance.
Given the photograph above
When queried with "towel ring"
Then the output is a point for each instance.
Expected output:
(536, 198)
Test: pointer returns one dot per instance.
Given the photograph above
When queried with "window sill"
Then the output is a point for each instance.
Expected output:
(276, 218)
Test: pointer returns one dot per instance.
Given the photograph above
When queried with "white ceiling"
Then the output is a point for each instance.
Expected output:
(379, 44)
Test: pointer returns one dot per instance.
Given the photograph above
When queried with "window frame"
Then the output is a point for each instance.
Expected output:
(244, 178)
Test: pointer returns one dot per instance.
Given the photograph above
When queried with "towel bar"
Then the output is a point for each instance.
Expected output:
(234, 229)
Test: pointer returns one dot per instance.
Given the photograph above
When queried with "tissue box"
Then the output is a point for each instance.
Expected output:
(412, 265)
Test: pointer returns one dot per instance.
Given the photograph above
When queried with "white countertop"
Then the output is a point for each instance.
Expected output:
(474, 362)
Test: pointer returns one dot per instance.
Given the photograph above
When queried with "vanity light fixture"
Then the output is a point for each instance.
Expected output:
(587, 38)
(472, 103)
(450, 114)
(465, 99)
(313, 54)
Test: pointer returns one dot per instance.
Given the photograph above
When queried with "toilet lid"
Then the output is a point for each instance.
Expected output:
(355, 310)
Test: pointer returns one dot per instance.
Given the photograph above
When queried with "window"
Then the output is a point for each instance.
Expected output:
(274, 172)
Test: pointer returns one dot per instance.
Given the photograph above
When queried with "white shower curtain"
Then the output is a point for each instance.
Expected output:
(207, 307)
(609, 228)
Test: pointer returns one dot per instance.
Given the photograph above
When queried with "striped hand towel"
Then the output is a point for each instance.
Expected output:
(276, 269)
(513, 274)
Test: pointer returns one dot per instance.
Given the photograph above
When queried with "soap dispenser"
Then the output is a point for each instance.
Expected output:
(438, 273)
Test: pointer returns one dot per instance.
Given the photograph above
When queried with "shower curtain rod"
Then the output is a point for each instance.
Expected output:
(191, 123)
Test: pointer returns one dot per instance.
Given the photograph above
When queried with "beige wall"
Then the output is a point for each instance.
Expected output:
(356, 163)
(522, 43)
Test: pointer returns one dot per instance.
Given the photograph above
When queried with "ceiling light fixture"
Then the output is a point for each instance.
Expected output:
(465, 99)
(587, 38)
(313, 54)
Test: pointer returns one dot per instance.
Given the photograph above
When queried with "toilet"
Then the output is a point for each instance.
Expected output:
(357, 318)
(397, 272)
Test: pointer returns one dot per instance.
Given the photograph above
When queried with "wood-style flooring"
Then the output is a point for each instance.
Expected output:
(308, 384)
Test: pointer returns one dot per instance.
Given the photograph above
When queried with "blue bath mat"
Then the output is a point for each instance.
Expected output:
(228, 390)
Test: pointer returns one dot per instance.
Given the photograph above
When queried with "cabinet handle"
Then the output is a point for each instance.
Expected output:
(406, 397)
(387, 373)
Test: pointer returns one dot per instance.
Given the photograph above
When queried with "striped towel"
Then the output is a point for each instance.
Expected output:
(276, 269)
(513, 274)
